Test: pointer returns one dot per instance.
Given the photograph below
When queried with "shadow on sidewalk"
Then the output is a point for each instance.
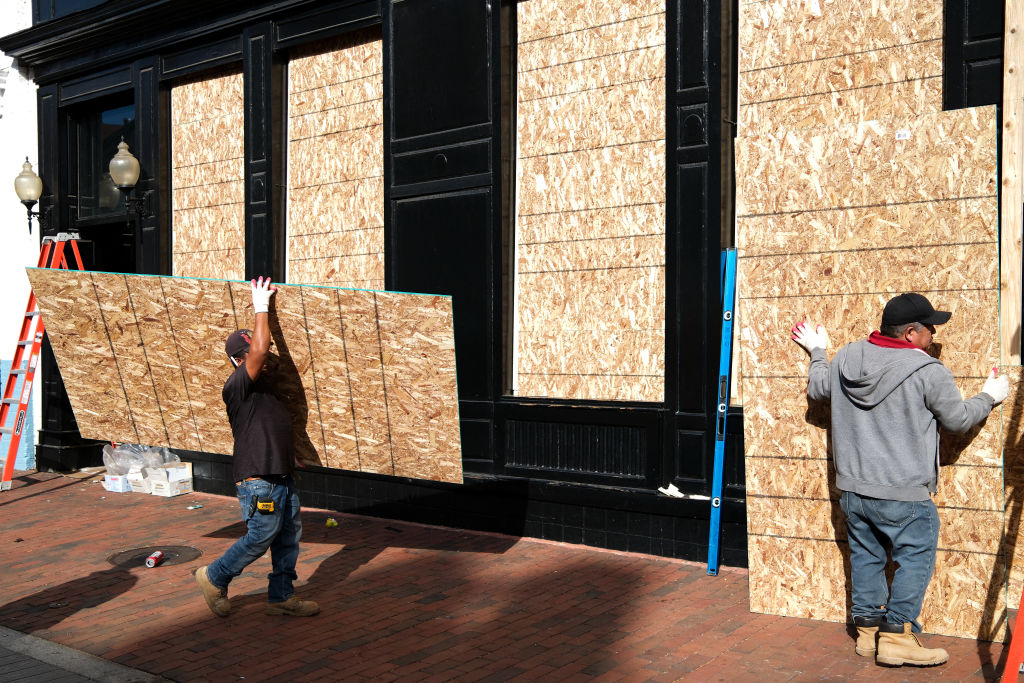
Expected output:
(407, 596)
(48, 607)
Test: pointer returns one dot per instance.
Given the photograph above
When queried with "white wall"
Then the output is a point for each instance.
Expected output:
(17, 140)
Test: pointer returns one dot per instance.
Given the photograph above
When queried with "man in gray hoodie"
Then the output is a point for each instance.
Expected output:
(887, 397)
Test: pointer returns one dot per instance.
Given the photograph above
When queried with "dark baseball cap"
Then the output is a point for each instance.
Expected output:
(912, 308)
(238, 343)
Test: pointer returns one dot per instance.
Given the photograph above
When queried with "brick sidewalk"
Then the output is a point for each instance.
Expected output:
(400, 602)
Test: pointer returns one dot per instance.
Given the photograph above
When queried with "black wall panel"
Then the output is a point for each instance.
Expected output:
(972, 53)
(440, 55)
(264, 89)
(439, 246)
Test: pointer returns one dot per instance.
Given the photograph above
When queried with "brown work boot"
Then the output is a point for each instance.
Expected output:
(867, 632)
(293, 607)
(216, 598)
(899, 645)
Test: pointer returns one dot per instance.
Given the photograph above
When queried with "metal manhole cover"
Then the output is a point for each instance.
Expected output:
(136, 557)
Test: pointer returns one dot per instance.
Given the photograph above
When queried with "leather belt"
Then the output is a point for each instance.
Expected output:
(272, 478)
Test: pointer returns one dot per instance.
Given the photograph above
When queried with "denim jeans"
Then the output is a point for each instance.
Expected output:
(279, 531)
(912, 529)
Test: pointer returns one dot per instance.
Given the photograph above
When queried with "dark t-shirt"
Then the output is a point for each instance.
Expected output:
(261, 426)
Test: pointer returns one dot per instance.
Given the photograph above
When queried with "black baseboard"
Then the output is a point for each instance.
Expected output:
(604, 517)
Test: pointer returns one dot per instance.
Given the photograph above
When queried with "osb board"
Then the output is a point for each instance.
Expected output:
(336, 163)
(823, 519)
(910, 224)
(207, 178)
(821, 62)
(969, 346)
(949, 155)
(832, 222)
(1013, 476)
(811, 580)
(369, 376)
(590, 200)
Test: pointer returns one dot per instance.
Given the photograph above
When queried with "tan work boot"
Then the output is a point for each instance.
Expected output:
(899, 645)
(293, 607)
(867, 632)
(216, 598)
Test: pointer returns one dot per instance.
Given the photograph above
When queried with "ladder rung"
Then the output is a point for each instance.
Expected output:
(25, 342)
(19, 371)
(6, 430)
(11, 401)
(31, 314)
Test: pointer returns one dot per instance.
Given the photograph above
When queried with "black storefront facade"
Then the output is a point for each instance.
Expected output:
(574, 471)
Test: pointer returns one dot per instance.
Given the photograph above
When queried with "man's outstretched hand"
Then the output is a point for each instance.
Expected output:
(998, 387)
(261, 293)
(810, 337)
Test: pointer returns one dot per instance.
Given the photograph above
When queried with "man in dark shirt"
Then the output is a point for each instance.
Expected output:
(263, 460)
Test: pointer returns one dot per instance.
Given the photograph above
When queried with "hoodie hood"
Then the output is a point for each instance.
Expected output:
(868, 373)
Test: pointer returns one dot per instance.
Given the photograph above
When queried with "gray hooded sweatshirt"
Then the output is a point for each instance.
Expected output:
(885, 404)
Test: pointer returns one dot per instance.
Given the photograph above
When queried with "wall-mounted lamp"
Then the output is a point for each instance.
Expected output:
(124, 171)
(29, 187)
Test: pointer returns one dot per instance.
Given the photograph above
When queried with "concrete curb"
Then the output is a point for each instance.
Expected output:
(68, 659)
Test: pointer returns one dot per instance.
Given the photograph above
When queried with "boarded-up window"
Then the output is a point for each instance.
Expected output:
(336, 163)
(207, 178)
(589, 319)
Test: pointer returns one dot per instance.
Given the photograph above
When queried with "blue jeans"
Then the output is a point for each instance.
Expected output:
(279, 531)
(912, 529)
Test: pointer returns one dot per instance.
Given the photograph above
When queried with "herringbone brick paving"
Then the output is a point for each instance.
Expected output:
(400, 602)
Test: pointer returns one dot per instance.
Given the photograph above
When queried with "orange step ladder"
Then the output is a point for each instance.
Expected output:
(52, 254)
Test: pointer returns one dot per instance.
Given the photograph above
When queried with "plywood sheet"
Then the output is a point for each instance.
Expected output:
(836, 222)
(369, 376)
(804, 30)
(949, 155)
(336, 162)
(590, 201)
(818, 63)
(207, 178)
(910, 224)
(811, 580)
(968, 347)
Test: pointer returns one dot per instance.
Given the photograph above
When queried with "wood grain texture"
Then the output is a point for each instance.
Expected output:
(336, 162)
(207, 178)
(589, 284)
(369, 377)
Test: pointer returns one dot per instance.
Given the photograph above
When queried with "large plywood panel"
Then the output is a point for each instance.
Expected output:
(164, 359)
(94, 384)
(207, 178)
(811, 63)
(336, 163)
(833, 222)
(590, 201)
(949, 155)
(968, 349)
(369, 376)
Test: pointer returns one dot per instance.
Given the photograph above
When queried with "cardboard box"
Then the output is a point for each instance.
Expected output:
(138, 481)
(172, 479)
(116, 483)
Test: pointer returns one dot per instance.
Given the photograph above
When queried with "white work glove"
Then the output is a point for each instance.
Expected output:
(261, 293)
(810, 338)
(996, 387)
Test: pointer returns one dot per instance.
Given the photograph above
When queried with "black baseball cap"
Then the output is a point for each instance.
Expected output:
(912, 308)
(238, 343)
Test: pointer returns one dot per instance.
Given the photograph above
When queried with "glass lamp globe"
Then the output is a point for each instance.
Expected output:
(27, 184)
(124, 167)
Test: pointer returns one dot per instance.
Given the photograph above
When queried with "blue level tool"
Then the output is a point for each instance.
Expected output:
(728, 271)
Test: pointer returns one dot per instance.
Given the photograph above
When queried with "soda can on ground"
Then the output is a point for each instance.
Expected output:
(155, 559)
